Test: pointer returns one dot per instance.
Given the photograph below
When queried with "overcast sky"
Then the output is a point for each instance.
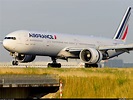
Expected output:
(94, 17)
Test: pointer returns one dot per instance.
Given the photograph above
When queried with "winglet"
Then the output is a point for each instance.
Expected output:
(122, 30)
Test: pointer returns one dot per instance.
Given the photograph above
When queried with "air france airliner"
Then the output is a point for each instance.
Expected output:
(25, 45)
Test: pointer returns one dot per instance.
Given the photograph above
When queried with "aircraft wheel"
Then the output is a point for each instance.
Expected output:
(87, 65)
(14, 62)
(54, 65)
(91, 65)
(95, 65)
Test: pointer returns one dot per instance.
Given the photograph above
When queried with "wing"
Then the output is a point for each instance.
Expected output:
(73, 52)
(121, 47)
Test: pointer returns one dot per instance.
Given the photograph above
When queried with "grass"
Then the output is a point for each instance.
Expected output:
(87, 83)
(95, 87)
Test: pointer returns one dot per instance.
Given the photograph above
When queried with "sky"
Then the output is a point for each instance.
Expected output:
(92, 17)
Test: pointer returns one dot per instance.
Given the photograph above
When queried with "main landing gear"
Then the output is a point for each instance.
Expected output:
(91, 65)
(54, 64)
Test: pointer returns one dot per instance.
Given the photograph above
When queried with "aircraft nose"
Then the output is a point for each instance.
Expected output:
(6, 44)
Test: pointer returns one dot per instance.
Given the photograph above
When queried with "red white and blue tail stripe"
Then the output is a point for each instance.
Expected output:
(122, 30)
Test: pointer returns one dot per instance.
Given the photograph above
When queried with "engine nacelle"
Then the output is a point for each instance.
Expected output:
(25, 58)
(90, 56)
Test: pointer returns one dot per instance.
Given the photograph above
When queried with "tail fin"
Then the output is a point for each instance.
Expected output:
(122, 30)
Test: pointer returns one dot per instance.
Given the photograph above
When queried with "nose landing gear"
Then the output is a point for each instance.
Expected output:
(14, 62)
(14, 55)
(54, 64)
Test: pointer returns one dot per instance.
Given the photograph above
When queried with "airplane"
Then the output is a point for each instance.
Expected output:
(25, 45)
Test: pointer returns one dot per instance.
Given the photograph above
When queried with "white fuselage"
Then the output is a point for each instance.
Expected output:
(50, 44)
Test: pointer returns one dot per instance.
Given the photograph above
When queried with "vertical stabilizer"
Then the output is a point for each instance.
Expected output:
(122, 30)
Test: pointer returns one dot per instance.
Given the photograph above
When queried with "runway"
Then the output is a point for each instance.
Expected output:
(42, 65)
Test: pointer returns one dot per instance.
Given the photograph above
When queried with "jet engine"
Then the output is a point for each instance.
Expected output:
(25, 58)
(90, 56)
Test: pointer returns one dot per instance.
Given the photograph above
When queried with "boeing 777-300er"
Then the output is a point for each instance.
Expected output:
(25, 45)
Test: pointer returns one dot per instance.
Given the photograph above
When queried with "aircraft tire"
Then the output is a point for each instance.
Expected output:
(14, 62)
(91, 65)
(87, 65)
(54, 65)
(95, 65)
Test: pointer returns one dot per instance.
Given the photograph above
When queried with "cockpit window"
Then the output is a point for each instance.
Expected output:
(13, 38)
